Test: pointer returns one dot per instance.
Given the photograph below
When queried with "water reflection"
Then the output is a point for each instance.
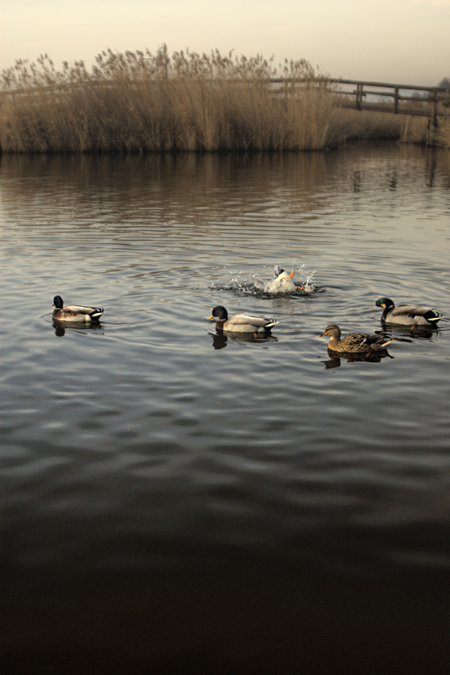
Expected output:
(162, 186)
(374, 357)
(426, 332)
(62, 326)
(432, 163)
(220, 340)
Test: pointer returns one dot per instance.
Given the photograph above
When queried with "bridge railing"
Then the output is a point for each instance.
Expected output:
(401, 99)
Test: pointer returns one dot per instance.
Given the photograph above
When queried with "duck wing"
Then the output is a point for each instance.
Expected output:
(412, 314)
(361, 341)
(93, 312)
(249, 322)
(377, 341)
(354, 341)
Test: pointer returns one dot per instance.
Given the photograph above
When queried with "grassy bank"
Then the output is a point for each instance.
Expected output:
(185, 102)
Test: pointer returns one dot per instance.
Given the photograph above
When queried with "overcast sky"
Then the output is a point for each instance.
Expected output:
(402, 41)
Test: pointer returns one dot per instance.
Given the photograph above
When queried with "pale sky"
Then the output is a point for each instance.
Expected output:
(400, 41)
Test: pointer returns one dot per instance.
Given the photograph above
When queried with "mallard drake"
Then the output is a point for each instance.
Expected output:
(282, 282)
(241, 323)
(407, 315)
(74, 312)
(355, 342)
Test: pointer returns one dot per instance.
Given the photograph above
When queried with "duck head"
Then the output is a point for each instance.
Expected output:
(58, 302)
(219, 312)
(385, 303)
(333, 331)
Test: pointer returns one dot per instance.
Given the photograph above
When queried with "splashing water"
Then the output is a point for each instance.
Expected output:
(308, 285)
(257, 287)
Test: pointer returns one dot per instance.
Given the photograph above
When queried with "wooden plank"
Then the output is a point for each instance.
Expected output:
(389, 108)
(386, 93)
(412, 87)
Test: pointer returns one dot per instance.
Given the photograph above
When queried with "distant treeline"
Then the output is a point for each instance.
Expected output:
(139, 101)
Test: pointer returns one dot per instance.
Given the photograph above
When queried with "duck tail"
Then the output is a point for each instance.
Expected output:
(96, 313)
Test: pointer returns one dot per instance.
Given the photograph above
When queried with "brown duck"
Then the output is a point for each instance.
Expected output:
(355, 342)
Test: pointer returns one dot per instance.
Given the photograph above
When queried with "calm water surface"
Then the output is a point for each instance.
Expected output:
(174, 498)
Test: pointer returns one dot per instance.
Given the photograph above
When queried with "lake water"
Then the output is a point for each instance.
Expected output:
(175, 499)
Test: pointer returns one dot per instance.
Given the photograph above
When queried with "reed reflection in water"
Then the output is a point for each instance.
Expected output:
(176, 499)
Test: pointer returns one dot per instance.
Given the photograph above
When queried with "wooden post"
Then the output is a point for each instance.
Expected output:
(358, 96)
(396, 90)
(432, 122)
(435, 122)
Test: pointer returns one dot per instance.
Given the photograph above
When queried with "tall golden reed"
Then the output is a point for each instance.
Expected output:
(136, 101)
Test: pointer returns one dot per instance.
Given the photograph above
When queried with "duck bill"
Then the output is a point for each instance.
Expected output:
(210, 317)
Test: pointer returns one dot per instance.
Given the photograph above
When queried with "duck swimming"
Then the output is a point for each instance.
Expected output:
(241, 323)
(355, 342)
(407, 315)
(74, 313)
(282, 282)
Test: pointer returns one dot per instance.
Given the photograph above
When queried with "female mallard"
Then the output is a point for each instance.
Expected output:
(74, 312)
(241, 323)
(407, 315)
(355, 342)
(282, 282)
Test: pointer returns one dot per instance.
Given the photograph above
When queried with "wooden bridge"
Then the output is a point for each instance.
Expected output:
(425, 105)
(400, 99)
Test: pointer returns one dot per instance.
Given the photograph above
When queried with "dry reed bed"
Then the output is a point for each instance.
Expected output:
(185, 102)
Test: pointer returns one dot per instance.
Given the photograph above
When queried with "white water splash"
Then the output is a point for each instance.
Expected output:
(242, 284)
